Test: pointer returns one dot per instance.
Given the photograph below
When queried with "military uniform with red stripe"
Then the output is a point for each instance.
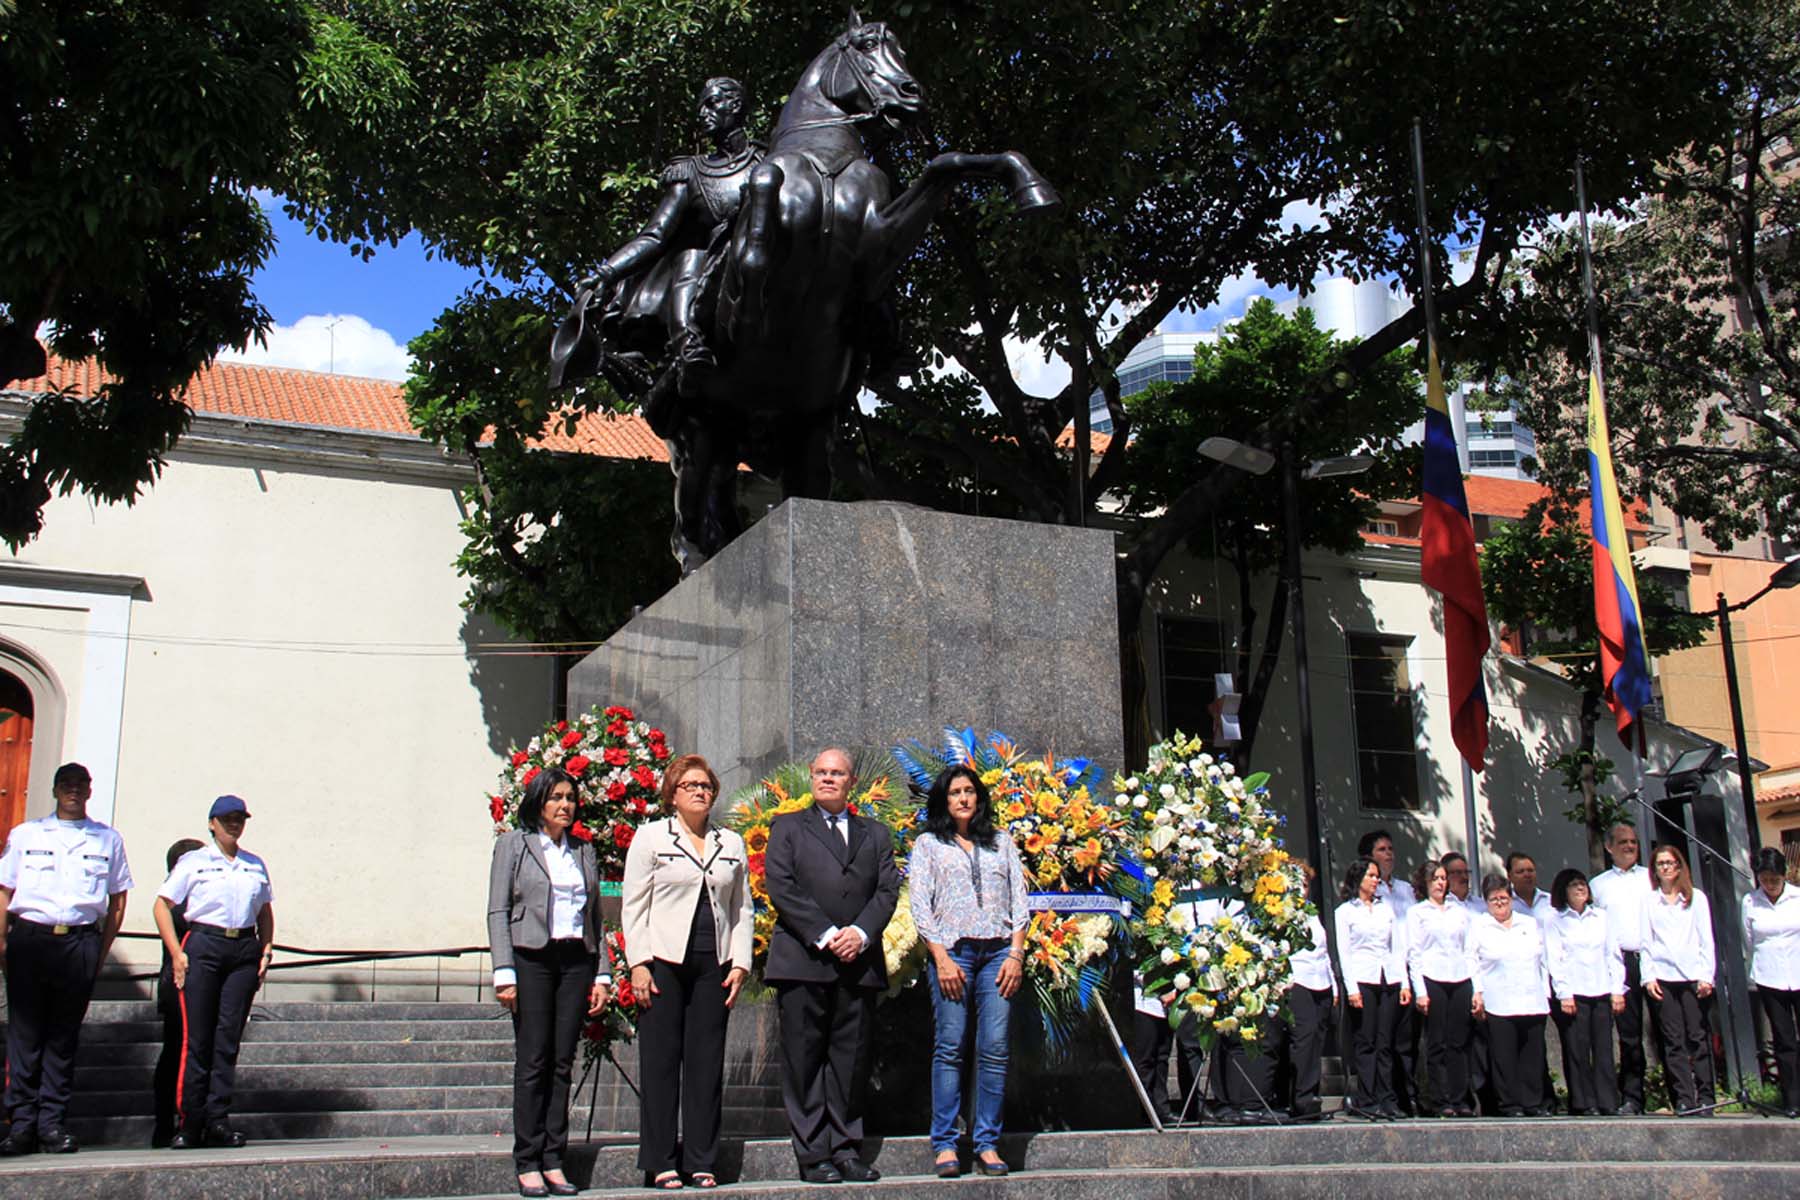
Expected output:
(230, 936)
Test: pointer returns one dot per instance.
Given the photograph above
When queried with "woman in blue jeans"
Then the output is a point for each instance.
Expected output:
(969, 903)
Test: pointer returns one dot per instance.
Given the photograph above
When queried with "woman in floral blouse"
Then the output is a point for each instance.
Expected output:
(969, 903)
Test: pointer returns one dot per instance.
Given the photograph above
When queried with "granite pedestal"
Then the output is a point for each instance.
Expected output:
(865, 624)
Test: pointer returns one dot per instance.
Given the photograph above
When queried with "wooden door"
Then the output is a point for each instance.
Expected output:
(15, 748)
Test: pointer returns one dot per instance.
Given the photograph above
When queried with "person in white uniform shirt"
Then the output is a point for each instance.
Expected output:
(1587, 977)
(1621, 891)
(1772, 932)
(1312, 993)
(1462, 890)
(1528, 899)
(1512, 994)
(1437, 928)
(1679, 965)
(1378, 844)
(217, 965)
(63, 880)
(1371, 944)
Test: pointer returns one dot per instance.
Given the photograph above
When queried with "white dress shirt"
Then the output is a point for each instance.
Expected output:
(1312, 966)
(568, 891)
(1507, 965)
(1371, 943)
(63, 872)
(1623, 894)
(1584, 954)
(221, 891)
(1475, 904)
(1398, 893)
(1677, 940)
(1772, 931)
(1540, 909)
(1435, 943)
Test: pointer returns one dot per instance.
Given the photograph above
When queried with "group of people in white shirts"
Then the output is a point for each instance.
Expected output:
(1483, 969)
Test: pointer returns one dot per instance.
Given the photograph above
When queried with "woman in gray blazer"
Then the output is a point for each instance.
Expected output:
(687, 916)
(544, 933)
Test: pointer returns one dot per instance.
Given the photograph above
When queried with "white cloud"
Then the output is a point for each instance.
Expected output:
(344, 343)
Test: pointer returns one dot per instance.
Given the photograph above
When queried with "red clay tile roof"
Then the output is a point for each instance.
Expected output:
(262, 393)
(1776, 795)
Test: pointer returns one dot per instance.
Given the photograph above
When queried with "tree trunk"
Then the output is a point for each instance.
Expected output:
(1256, 691)
(1134, 676)
(1590, 806)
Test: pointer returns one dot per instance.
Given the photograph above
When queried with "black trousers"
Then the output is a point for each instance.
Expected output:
(1687, 1044)
(825, 1029)
(168, 1061)
(552, 1001)
(49, 981)
(1151, 1040)
(1311, 1012)
(215, 1004)
(1630, 1024)
(1448, 1028)
(1587, 1053)
(681, 1065)
(1516, 1061)
(1375, 1024)
(1408, 1032)
(1783, 1010)
(1247, 1073)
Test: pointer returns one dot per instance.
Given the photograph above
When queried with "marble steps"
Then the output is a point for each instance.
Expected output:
(1625, 1159)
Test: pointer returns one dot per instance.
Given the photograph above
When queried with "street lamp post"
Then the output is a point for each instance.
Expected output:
(1786, 577)
(1255, 461)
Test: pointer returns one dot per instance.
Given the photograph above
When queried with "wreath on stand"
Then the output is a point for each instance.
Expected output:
(1205, 832)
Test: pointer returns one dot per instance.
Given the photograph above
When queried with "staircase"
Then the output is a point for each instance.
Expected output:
(1596, 1159)
(356, 1070)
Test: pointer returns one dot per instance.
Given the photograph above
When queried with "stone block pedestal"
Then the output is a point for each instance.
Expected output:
(865, 624)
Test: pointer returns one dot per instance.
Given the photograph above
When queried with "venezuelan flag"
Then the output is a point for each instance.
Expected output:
(1450, 567)
(1624, 661)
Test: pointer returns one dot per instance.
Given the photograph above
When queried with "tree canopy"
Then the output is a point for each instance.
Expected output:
(1699, 299)
(131, 135)
(1254, 370)
(1191, 142)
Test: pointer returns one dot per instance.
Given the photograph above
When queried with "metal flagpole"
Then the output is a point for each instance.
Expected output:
(1429, 304)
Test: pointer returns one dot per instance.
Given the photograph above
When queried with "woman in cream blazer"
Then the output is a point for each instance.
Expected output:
(687, 917)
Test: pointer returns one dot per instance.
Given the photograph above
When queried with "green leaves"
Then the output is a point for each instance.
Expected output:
(131, 134)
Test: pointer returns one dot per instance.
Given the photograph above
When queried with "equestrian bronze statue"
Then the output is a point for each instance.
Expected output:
(744, 314)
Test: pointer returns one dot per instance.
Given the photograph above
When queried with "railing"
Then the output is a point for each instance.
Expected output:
(326, 958)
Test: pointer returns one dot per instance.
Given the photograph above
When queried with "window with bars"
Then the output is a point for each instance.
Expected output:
(1384, 722)
(1193, 651)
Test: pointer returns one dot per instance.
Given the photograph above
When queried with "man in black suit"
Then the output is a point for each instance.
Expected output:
(833, 885)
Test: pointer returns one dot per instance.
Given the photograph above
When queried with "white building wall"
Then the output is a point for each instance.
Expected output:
(298, 640)
(1517, 803)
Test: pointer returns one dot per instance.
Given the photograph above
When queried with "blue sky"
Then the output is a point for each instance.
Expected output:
(334, 311)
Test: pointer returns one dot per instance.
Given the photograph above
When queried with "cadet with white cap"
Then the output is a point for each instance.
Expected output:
(63, 880)
(218, 966)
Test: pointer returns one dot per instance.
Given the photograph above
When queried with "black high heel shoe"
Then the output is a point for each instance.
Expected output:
(991, 1169)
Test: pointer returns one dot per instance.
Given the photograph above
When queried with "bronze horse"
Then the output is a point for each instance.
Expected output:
(802, 292)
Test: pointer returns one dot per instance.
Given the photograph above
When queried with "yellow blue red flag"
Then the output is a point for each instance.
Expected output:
(1624, 659)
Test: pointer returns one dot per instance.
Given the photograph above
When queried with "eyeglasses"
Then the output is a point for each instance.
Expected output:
(695, 789)
(1454, 873)
(1498, 900)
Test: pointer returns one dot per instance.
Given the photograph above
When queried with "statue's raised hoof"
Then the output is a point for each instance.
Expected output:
(1037, 197)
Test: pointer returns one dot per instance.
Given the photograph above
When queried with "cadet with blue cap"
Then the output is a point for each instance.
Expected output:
(63, 880)
(217, 965)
